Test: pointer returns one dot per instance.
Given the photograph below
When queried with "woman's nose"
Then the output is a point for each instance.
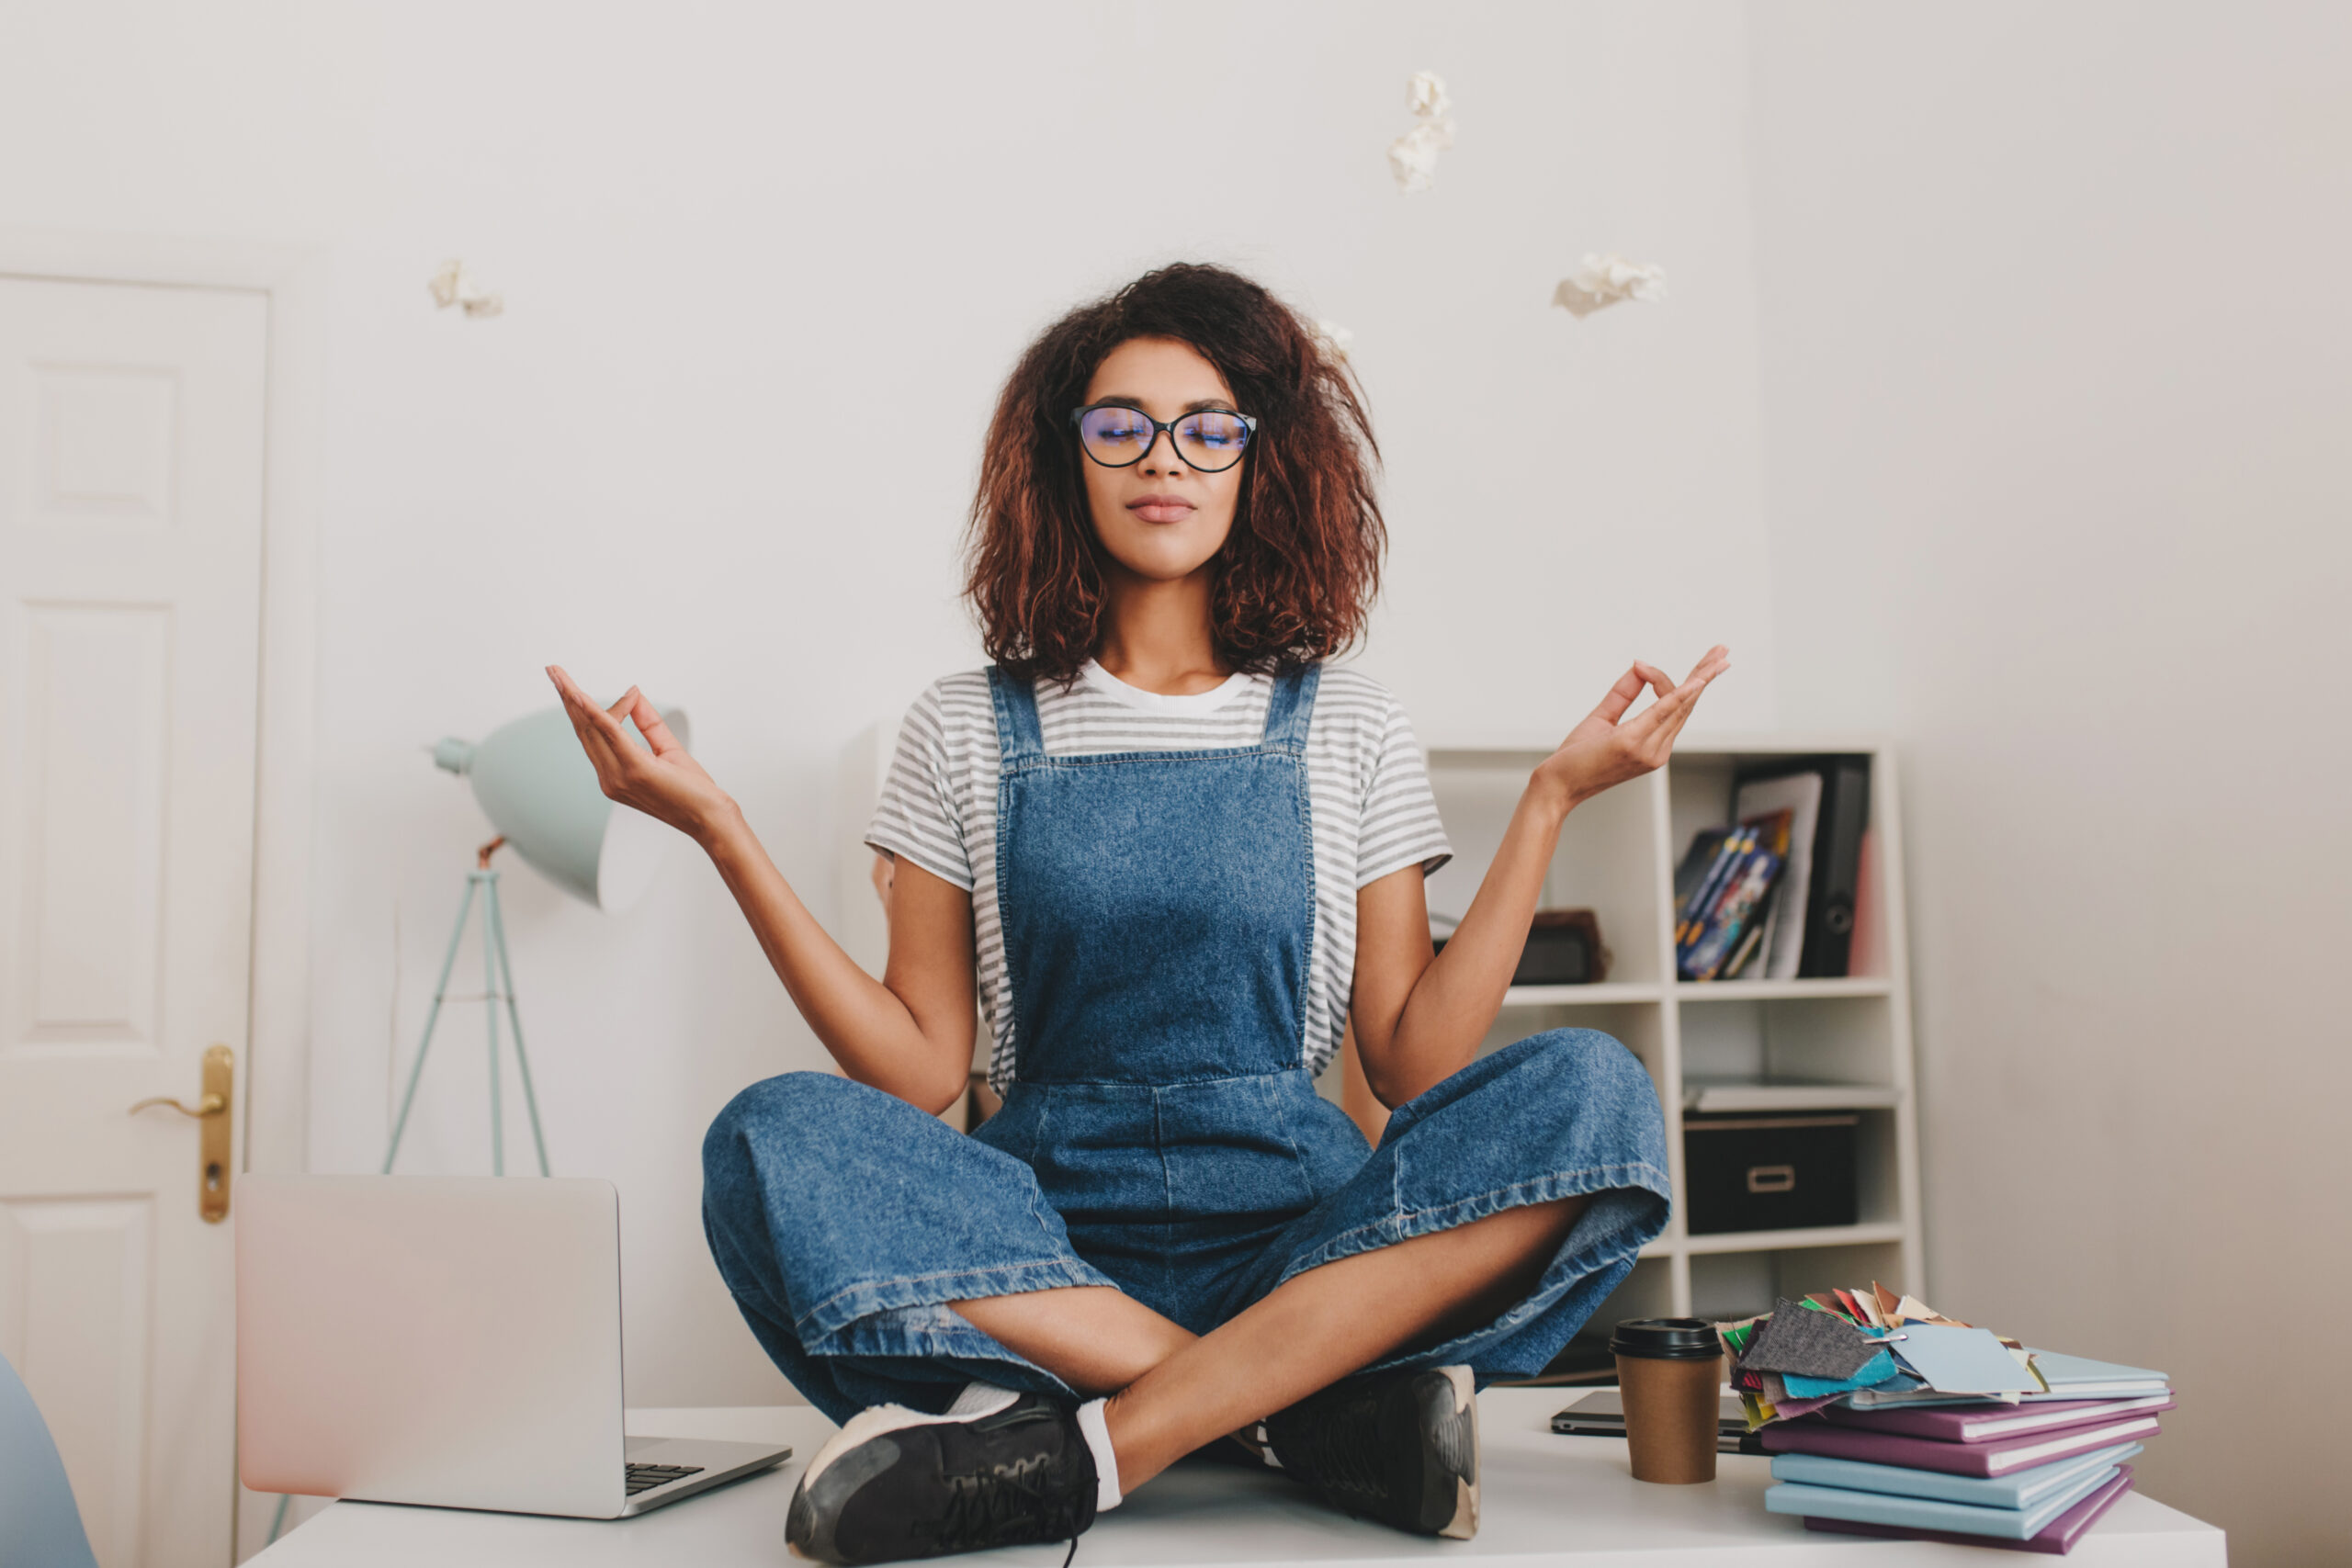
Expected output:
(1153, 463)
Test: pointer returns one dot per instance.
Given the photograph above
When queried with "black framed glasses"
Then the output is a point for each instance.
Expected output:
(1209, 440)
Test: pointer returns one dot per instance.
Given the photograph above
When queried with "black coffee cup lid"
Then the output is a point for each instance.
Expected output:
(1667, 1339)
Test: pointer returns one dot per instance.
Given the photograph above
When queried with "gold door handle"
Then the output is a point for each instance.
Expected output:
(213, 1145)
(210, 1105)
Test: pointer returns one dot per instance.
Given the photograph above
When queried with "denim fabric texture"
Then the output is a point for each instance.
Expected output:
(1163, 1136)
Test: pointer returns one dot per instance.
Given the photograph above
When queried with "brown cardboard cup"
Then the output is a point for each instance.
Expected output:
(1668, 1370)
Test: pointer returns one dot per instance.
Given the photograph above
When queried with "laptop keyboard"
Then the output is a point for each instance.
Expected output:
(645, 1477)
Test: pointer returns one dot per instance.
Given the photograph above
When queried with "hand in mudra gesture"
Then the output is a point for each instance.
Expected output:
(663, 783)
(1602, 752)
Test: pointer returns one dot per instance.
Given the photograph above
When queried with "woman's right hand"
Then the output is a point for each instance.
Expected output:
(664, 783)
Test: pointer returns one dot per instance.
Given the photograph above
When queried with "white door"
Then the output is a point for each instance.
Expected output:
(131, 531)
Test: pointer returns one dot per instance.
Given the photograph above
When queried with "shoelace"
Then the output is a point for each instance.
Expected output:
(1338, 1450)
(982, 1508)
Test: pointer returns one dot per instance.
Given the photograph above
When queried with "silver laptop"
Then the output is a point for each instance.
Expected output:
(448, 1340)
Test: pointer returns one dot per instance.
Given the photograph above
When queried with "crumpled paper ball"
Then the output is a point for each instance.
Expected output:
(1604, 280)
(1412, 157)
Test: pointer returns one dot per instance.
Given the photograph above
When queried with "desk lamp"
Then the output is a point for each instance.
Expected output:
(539, 791)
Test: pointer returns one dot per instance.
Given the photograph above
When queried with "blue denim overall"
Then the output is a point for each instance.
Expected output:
(1163, 1135)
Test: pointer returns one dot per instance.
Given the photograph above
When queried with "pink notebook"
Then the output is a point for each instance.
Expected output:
(1997, 1458)
(2056, 1539)
(1986, 1424)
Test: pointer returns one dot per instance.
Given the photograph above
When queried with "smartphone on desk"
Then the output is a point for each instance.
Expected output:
(1601, 1414)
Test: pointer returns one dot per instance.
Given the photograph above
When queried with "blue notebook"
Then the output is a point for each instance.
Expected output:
(2079, 1377)
(1927, 1514)
(2021, 1489)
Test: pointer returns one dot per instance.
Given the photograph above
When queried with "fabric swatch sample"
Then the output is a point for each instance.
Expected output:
(1809, 1343)
(1879, 1368)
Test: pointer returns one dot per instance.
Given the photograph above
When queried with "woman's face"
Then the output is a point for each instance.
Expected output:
(1161, 518)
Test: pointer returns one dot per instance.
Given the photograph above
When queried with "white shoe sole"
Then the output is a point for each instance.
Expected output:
(881, 1420)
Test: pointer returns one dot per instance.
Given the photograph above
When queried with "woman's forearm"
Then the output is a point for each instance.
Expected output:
(871, 1031)
(1454, 1002)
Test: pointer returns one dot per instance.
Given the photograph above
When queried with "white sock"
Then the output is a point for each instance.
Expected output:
(1107, 1463)
(979, 1399)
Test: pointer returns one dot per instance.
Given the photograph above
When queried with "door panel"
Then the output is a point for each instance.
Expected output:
(131, 460)
(90, 819)
(76, 1318)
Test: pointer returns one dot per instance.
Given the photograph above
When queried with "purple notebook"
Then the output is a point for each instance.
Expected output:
(1811, 1436)
(2056, 1539)
(1980, 1423)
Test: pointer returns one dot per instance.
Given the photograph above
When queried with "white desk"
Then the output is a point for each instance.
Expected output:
(1559, 1502)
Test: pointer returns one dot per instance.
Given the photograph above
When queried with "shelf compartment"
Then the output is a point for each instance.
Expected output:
(1816, 1039)
(1605, 861)
(1729, 1285)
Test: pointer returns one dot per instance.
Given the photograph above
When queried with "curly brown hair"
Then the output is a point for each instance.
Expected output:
(1296, 576)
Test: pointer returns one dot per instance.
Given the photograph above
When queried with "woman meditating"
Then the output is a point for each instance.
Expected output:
(1173, 858)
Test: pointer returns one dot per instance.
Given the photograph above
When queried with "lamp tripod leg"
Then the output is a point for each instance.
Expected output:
(432, 1016)
(496, 915)
(490, 1017)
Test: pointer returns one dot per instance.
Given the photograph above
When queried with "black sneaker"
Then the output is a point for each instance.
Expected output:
(1401, 1448)
(896, 1483)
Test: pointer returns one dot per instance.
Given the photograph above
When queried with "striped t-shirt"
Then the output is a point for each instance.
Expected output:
(1368, 796)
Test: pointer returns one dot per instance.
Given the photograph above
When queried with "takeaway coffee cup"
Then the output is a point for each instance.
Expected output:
(1669, 1369)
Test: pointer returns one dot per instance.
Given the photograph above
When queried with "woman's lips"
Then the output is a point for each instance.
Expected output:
(1160, 508)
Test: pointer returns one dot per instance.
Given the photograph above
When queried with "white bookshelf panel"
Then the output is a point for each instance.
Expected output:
(1569, 996)
(1878, 1169)
(1763, 1045)
(1815, 1239)
(1730, 1285)
(1839, 1039)
(1727, 1286)
(1712, 1096)
(1703, 991)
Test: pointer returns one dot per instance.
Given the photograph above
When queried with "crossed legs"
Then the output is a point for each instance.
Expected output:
(1170, 1391)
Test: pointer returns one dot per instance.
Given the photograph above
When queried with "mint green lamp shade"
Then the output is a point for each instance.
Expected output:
(539, 790)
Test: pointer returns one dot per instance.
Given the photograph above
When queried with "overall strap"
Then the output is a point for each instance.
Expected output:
(1291, 707)
(1018, 738)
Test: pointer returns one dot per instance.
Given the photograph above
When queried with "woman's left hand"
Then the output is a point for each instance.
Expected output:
(657, 778)
(1601, 752)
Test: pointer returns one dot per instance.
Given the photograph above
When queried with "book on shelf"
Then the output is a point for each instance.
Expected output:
(1792, 801)
(1829, 800)
(1718, 926)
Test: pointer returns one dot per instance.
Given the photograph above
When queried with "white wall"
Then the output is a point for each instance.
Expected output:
(765, 271)
(2057, 387)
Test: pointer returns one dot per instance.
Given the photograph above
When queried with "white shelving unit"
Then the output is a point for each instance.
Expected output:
(1755, 1045)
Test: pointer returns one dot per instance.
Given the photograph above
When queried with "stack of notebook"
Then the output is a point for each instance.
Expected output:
(1940, 1431)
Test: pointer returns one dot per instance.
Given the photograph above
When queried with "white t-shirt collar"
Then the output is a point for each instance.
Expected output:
(1233, 687)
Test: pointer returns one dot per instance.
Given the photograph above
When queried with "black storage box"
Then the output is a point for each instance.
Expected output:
(1747, 1172)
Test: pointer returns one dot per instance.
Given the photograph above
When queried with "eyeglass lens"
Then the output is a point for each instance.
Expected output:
(1209, 440)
